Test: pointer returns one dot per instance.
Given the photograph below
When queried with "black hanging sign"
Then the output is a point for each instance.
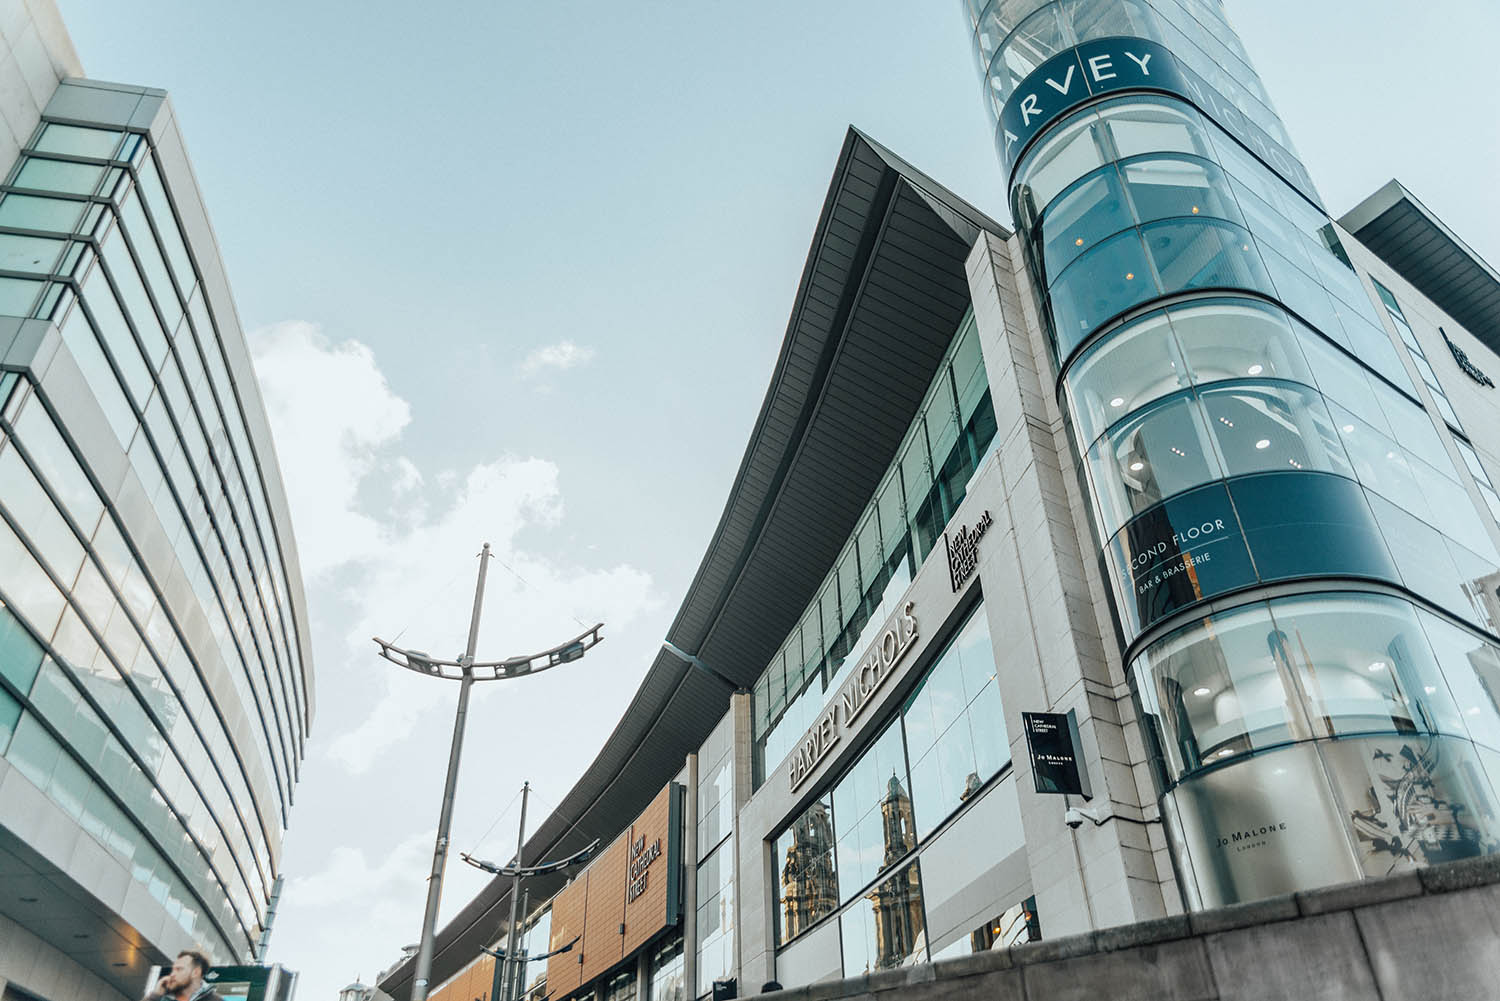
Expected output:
(1056, 753)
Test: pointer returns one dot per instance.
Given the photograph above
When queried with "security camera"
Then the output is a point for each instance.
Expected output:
(1074, 817)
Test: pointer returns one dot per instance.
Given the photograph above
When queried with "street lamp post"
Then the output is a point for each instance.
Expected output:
(508, 972)
(466, 671)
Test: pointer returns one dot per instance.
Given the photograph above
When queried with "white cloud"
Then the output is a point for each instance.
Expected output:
(332, 412)
(408, 568)
(560, 357)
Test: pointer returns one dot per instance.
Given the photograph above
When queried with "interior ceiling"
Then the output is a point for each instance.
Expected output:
(882, 291)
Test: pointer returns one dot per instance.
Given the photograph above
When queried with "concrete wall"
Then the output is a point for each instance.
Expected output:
(1424, 935)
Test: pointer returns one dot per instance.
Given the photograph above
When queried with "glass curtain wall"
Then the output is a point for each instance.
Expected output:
(109, 683)
(1243, 415)
(920, 491)
(856, 851)
(715, 918)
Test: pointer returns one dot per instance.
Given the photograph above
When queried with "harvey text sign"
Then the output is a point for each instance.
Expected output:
(872, 672)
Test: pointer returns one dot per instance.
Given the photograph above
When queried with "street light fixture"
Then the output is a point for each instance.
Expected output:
(466, 670)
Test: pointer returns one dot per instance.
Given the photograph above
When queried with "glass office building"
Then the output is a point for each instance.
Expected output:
(155, 679)
(1179, 456)
(1277, 485)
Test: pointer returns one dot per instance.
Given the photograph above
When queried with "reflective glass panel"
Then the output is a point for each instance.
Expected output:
(1150, 457)
(1103, 283)
(873, 805)
(1086, 213)
(1272, 427)
(1205, 254)
(955, 726)
(887, 928)
(33, 212)
(808, 881)
(1125, 370)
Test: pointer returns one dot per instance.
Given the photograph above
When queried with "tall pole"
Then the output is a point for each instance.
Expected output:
(515, 902)
(445, 818)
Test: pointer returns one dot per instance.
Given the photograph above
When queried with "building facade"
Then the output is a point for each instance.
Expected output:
(1180, 458)
(155, 674)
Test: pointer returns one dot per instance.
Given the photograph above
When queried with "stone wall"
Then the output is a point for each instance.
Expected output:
(1425, 935)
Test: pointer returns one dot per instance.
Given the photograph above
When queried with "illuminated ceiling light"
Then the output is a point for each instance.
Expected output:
(1179, 451)
(1263, 443)
(1390, 455)
(1255, 369)
(1473, 711)
(1224, 753)
(1244, 246)
(1226, 422)
(1195, 210)
(1348, 429)
(1378, 665)
(1295, 463)
(1137, 466)
(1078, 242)
(1202, 691)
(1130, 276)
(1429, 689)
(1118, 401)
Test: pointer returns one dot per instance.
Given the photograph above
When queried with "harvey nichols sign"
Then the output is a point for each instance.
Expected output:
(878, 665)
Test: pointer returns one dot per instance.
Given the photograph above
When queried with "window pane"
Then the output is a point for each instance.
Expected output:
(1165, 187)
(1234, 338)
(18, 296)
(1086, 213)
(887, 929)
(1071, 150)
(1141, 125)
(1099, 285)
(77, 141)
(1273, 428)
(1149, 458)
(873, 805)
(1206, 254)
(805, 870)
(1131, 367)
(33, 212)
(20, 653)
(955, 726)
(1218, 688)
(59, 175)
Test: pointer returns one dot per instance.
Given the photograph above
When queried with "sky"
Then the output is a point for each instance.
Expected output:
(519, 272)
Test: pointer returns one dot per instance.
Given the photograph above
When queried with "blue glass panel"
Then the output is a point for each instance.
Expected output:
(1101, 284)
(1298, 524)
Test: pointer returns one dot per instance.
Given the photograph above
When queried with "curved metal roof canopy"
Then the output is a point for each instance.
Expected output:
(1406, 235)
(881, 294)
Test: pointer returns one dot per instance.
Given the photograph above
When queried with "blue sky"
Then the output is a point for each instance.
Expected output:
(519, 272)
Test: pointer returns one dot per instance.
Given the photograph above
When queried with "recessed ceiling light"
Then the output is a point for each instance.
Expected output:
(1348, 428)
(1225, 753)
(1429, 689)
(1377, 665)
(1077, 243)
(1130, 276)
(1201, 691)
(1136, 467)
(1255, 369)
(1263, 443)
(1118, 401)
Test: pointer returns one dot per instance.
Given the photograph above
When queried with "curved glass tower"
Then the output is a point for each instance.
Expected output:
(1276, 499)
(155, 679)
